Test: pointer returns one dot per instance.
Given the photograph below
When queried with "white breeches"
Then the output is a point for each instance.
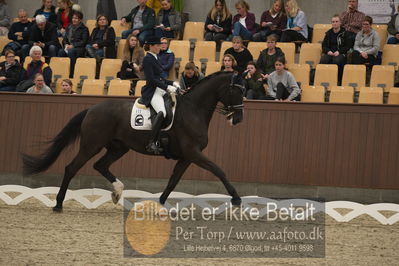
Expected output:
(157, 101)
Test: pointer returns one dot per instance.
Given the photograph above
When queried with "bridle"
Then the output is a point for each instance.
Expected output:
(230, 109)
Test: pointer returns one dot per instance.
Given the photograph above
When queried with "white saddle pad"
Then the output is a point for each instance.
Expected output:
(141, 116)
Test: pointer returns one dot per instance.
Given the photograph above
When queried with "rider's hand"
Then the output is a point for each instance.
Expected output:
(176, 85)
(171, 89)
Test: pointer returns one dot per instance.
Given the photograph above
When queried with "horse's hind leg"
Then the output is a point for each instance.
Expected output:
(178, 172)
(70, 171)
(114, 152)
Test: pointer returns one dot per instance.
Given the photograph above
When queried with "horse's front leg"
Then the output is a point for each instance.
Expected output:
(178, 172)
(202, 161)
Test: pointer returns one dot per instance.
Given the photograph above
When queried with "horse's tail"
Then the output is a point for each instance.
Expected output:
(34, 165)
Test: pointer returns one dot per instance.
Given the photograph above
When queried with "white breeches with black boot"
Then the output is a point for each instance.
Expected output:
(158, 104)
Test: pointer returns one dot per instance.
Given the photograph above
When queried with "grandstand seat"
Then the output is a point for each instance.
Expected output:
(93, 87)
(390, 55)
(312, 94)
(3, 42)
(341, 94)
(116, 24)
(194, 30)
(60, 67)
(255, 48)
(310, 54)
(354, 76)
(212, 67)
(140, 84)
(85, 68)
(91, 24)
(383, 77)
(326, 75)
(28, 59)
(382, 30)
(121, 46)
(119, 87)
(109, 68)
(3, 58)
(289, 51)
(181, 49)
(58, 87)
(205, 50)
(225, 45)
(300, 72)
(393, 96)
(371, 95)
(319, 31)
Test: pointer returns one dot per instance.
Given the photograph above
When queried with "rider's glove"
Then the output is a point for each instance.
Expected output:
(171, 89)
(176, 84)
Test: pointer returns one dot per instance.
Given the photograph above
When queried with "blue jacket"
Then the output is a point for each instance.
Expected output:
(152, 70)
(167, 59)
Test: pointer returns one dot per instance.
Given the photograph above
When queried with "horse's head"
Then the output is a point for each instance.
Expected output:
(232, 99)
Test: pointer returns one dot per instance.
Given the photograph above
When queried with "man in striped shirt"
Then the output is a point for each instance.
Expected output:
(352, 19)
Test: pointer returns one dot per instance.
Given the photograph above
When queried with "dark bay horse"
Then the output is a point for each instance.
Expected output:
(107, 125)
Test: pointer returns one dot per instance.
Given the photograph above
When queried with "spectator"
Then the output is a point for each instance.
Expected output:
(102, 40)
(34, 67)
(75, 40)
(66, 86)
(268, 57)
(143, 21)
(240, 53)
(64, 15)
(44, 35)
(168, 21)
(4, 18)
(19, 33)
(107, 8)
(133, 56)
(48, 11)
(218, 23)
(273, 21)
(336, 45)
(253, 82)
(352, 19)
(297, 27)
(190, 76)
(282, 84)
(393, 29)
(367, 44)
(167, 58)
(229, 63)
(10, 72)
(40, 86)
(244, 21)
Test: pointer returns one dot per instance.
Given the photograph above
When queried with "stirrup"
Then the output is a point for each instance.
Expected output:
(154, 147)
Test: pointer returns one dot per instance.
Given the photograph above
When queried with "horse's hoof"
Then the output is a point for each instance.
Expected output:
(162, 200)
(115, 197)
(57, 209)
(236, 201)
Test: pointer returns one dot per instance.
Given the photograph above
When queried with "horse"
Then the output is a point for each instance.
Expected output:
(105, 125)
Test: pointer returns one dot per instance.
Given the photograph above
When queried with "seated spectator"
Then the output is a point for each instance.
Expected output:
(64, 15)
(240, 53)
(229, 63)
(143, 21)
(107, 8)
(367, 44)
(273, 21)
(336, 45)
(102, 40)
(4, 18)
(297, 27)
(19, 33)
(166, 57)
(48, 11)
(244, 22)
(44, 35)
(40, 86)
(168, 21)
(10, 72)
(133, 56)
(393, 29)
(218, 23)
(268, 57)
(75, 40)
(254, 83)
(190, 76)
(34, 67)
(352, 19)
(282, 84)
(66, 86)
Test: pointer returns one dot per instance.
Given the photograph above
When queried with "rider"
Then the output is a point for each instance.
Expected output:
(156, 86)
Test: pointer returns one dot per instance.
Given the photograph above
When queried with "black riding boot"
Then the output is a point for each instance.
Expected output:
(156, 128)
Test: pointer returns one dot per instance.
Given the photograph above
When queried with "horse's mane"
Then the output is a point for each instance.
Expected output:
(207, 78)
